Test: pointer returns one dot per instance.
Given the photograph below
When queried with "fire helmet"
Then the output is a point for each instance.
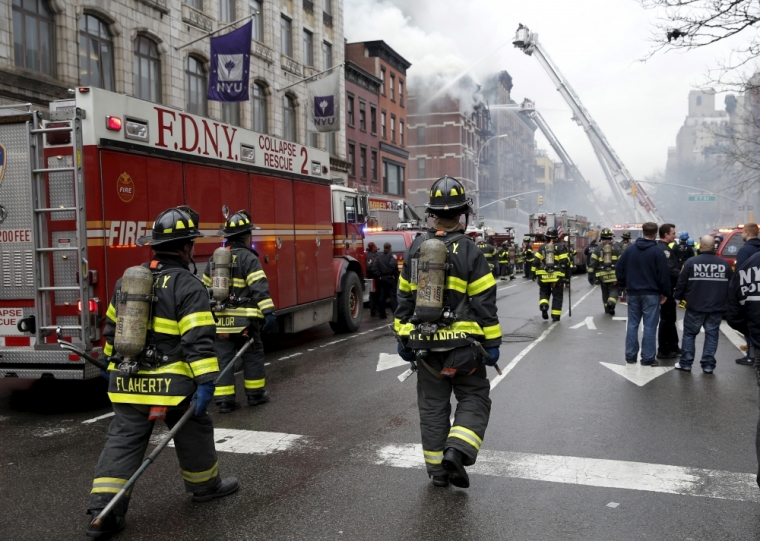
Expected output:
(526, 238)
(171, 225)
(448, 198)
(606, 234)
(238, 223)
(626, 235)
(551, 233)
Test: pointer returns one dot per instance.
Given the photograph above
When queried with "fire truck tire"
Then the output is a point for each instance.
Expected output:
(349, 305)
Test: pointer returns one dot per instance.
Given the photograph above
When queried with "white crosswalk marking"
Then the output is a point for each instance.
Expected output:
(250, 442)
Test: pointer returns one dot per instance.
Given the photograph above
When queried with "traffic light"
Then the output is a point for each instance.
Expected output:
(633, 189)
(540, 200)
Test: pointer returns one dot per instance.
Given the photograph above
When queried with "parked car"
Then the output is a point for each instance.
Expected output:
(400, 241)
(732, 242)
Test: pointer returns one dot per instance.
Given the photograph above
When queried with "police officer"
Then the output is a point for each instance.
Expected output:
(682, 251)
(448, 355)
(667, 334)
(178, 363)
(249, 311)
(506, 260)
(551, 268)
(603, 262)
(530, 257)
(374, 273)
(387, 268)
(492, 257)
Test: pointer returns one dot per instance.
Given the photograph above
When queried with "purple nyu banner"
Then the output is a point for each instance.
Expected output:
(230, 65)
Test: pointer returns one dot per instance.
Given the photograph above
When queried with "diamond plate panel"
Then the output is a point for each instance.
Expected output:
(65, 267)
(16, 257)
(67, 320)
(61, 186)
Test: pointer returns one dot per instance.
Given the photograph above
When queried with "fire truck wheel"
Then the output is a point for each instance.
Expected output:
(349, 305)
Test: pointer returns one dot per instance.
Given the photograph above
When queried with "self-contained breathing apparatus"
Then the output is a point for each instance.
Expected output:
(549, 256)
(607, 256)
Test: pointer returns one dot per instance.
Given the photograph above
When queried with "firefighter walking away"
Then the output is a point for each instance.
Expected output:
(507, 260)
(446, 322)
(551, 267)
(244, 307)
(160, 339)
(603, 261)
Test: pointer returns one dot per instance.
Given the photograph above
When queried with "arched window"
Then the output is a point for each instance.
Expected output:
(147, 70)
(289, 119)
(95, 53)
(33, 36)
(195, 86)
(259, 108)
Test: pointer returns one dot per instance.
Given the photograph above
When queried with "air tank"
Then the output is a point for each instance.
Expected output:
(220, 274)
(607, 254)
(133, 312)
(431, 280)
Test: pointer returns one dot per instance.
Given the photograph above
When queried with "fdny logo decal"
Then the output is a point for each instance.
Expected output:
(2, 162)
(125, 187)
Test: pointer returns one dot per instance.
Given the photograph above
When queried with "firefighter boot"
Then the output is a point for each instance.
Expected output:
(259, 398)
(610, 308)
(106, 528)
(228, 407)
(545, 311)
(441, 480)
(452, 463)
(226, 487)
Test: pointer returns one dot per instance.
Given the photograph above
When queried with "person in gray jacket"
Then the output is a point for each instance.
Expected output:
(703, 288)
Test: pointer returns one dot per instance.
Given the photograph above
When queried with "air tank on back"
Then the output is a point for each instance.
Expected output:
(220, 274)
(431, 280)
(133, 312)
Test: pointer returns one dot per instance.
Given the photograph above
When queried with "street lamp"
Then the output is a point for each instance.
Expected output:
(477, 173)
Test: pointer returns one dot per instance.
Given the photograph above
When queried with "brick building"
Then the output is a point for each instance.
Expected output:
(131, 47)
(380, 60)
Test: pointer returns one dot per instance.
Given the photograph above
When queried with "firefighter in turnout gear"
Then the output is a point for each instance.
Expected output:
(446, 321)
(529, 257)
(551, 268)
(491, 255)
(603, 262)
(247, 310)
(519, 258)
(625, 241)
(507, 260)
(682, 251)
(160, 372)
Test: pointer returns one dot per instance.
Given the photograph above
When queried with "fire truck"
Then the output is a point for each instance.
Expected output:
(575, 229)
(80, 184)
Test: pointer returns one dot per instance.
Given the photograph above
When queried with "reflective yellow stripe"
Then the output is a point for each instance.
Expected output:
(543, 301)
(238, 282)
(165, 326)
(206, 281)
(433, 457)
(406, 286)
(402, 329)
(198, 319)
(180, 368)
(538, 255)
(108, 349)
(230, 330)
(561, 256)
(466, 435)
(255, 277)
(254, 383)
(201, 476)
(556, 312)
(204, 366)
(241, 312)
(148, 400)
(266, 303)
(457, 284)
(494, 331)
(469, 327)
(480, 285)
(107, 485)
(111, 313)
(224, 390)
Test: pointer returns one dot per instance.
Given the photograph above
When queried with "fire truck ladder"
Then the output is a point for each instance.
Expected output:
(67, 120)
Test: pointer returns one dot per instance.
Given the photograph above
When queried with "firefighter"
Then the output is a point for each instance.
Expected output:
(625, 241)
(506, 260)
(492, 256)
(520, 258)
(529, 257)
(603, 262)
(443, 331)
(551, 268)
(176, 362)
(248, 310)
(682, 251)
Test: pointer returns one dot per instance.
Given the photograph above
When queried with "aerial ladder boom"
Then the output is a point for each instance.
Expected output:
(618, 177)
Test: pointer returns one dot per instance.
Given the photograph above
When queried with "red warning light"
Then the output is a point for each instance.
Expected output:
(113, 123)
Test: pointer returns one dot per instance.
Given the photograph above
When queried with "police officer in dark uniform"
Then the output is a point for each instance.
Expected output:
(667, 334)
(182, 365)
(529, 256)
(387, 269)
(551, 268)
(491, 255)
(249, 311)
(603, 262)
(448, 353)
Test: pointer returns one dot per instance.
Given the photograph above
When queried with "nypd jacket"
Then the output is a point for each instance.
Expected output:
(703, 282)
(743, 311)
(469, 278)
(249, 285)
(181, 327)
(604, 272)
(553, 273)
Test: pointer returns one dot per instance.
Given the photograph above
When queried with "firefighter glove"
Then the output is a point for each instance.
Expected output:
(405, 353)
(682, 304)
(494, 353)
(270, 322)
(202, 397)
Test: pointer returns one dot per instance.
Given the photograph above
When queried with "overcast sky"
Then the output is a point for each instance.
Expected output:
(597, 45)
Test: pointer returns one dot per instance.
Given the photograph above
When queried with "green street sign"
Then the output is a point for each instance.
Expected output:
(702, 198)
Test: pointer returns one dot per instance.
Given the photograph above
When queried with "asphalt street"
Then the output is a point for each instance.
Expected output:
(575, 449)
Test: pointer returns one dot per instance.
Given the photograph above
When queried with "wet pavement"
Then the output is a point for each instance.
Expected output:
(575, 449)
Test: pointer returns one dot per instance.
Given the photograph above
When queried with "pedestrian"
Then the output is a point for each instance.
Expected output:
(667, 334)
(703, 285)
(552, 269)
(248, 312)
(373, 273)
(743, 315)
(642, 271)
(603, 262)
(491, 255)
(751, 247)
(387, 268)
(449, 359)
(182, 365)
(587, 253)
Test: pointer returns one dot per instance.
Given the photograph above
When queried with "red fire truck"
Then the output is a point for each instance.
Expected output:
(80, 184)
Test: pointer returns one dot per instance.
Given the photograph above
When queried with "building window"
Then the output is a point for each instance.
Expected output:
(231, 113)
(197, 4)
(382, 126)
(226, 11)
(382, 80)
(257, 32)
(147, 70)
(308, 48)
(401, 92)
(330, 146)
(286, 37)
(401, 132)
(393, 87)
(373, 165)
(421, 135)
(313, 139)
(393, 182)
(327, 59)
(327, 6)
(259, 108)
(350, 110)
(289, 119)
(362, 116)
(352, 167)
(421, 173)
(33, 36)
(195, 86)
(393, 128)
(363, 161)
(699, 100)
(373, 119)
(95, 53)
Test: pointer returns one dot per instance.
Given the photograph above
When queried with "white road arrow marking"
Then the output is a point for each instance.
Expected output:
(588, 322)
(250, 442)
(389, 360)
(593, 472)
(636, 373)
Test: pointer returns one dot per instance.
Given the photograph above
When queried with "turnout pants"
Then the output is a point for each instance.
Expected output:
(128, 438)
(434, 402)
(527, 269)
(556, 290)
(253, 365)
(507, 269)
(610, 293)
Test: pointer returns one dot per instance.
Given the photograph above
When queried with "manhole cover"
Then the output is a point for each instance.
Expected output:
(518, 337)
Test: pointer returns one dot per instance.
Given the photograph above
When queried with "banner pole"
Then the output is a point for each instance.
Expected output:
(312, 77)
(209, 34)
